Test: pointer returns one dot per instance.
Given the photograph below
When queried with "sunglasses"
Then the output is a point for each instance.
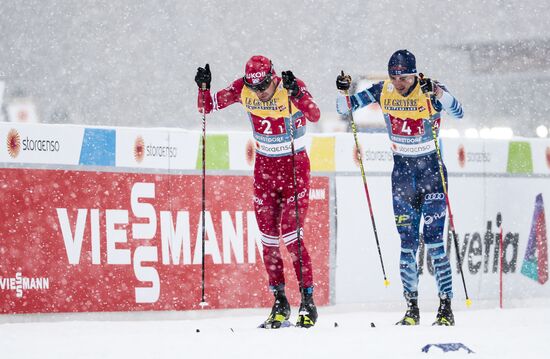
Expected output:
(260, 86)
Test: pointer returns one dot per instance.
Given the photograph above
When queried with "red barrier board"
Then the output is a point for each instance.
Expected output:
(77, 241)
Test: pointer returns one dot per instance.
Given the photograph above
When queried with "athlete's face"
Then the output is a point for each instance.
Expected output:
(267, 94)
(402, 83)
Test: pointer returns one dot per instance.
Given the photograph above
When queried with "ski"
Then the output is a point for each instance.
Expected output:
(284, 324)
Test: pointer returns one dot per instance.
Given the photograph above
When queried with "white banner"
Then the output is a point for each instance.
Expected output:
(475, 201)
(375, 150)
(52, 144)
(474, 155)
(156, 148)
(541, 156)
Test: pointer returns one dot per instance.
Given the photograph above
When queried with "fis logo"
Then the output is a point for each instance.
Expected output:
(535, 263)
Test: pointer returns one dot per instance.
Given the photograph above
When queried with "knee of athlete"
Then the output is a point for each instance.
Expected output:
(437, 251)
(274, 266)
(409, 247)
(272, 257)
(294, 257)
(407, 260)
(407, 257)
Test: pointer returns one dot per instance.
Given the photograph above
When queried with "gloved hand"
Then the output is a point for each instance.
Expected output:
(203, 77)
(426, 85)
(343, 82)
(289, 83)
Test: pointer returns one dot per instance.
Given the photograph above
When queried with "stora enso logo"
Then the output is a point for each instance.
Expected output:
(139, 149)
(14, 143)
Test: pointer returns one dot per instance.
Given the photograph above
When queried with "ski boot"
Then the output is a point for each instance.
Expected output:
(281, 309)
(307, 315)
(444, 313)
(412, 315)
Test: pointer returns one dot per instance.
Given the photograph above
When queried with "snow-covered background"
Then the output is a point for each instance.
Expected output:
(132, 63)
(491, 333)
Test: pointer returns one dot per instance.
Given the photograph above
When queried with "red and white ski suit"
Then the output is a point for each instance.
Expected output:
(273, 183)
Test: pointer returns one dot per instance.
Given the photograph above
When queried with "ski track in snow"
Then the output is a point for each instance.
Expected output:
(490, 333)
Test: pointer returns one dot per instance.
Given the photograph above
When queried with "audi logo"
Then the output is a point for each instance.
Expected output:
(434, 196)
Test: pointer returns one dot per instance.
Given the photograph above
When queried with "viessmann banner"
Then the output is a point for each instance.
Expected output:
(82, 241)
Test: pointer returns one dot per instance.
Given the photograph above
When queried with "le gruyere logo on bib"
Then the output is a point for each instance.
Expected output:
(256, 104)
(397, 104)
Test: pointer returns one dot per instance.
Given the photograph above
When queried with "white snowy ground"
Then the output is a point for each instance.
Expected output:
(491, 333)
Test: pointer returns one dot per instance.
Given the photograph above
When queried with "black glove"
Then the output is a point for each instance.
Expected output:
(203, 77)
(426, 84)
(343, 82)
(289, 83)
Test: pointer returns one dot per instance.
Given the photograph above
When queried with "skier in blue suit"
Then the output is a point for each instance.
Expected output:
(412, 108)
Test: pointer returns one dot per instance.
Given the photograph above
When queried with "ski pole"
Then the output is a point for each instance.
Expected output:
(295, 184)
(451, 221)
(203, 302)
(360, 158)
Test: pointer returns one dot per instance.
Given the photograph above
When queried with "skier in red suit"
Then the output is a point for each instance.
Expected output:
(264, 96)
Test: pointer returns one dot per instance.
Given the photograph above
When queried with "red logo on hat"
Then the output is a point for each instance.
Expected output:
(257, 68)
(256, 77)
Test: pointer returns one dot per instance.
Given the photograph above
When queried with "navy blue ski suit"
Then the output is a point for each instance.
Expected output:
(416, 181)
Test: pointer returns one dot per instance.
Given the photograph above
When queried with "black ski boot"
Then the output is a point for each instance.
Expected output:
(280, 311)
(412, 315)
(307, 316)
(444, 313)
